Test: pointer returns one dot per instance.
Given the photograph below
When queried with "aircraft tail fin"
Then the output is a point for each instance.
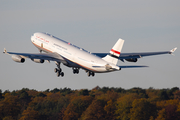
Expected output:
(115, 52)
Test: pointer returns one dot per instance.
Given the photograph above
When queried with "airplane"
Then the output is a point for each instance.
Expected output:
(77, 58)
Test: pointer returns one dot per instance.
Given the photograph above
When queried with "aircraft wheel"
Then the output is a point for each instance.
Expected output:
(58, 74)
(88, 73)
(77, 71)
(93, 74)
(55, 70)
(62, 74)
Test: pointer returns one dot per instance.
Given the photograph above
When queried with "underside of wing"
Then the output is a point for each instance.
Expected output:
(43, 56)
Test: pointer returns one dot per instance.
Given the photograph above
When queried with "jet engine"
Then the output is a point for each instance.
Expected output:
(18, 58)
(38, 60)
(132, 60)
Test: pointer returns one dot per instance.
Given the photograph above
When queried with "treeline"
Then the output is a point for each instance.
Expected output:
(96, 104)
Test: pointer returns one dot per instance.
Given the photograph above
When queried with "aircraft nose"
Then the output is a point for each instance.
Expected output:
(32, 38)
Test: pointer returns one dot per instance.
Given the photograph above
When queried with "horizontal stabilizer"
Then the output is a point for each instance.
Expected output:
(132, 66)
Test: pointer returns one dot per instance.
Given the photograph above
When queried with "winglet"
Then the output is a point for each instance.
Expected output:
(5, 51)
(171, 51)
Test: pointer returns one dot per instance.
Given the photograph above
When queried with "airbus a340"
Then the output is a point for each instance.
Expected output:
(77, 58)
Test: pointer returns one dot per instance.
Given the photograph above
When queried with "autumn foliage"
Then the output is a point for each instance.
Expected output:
(96, 104)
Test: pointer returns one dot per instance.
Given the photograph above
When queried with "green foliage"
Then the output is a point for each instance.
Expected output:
(1, 95)
(55, 90)
(163, 95)
(119, 90)
(6, 91)
(41, 95)
(104, 89)
(84, 92)
(141, 92)
(46, 90)
(65, 91)
(14, 93)
(171, 92)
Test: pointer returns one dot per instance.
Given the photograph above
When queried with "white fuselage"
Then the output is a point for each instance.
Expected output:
(75, 56)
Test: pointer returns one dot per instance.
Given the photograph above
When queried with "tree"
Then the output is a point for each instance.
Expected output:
(163, 95)
(124, 104)
(29, 114)
(169, 113)
(169, 110)
(177, 95)
(10, 106)
(1, 94)
(142, 109)
(8, 118)
(95, 111)
(24, 95)
(84, 92)
(55, 90)
(77, 106)
(161, 115)
(65, 91)
(41, 95)
(141, 92)
(110, 110)
(104, 89)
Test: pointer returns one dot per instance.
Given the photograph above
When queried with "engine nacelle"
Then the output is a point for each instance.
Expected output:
(18, 58)
(132, 60)
(38, 60)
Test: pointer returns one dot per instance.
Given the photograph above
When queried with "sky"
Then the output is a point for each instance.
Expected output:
(146, 26)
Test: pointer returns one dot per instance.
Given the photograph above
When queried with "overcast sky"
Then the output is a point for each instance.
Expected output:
(95, 25)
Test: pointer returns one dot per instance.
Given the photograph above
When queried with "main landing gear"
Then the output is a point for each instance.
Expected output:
(75, 70)
(58, 70)
(89, 73)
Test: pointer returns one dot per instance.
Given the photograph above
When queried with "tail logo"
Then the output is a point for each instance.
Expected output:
(114, 51)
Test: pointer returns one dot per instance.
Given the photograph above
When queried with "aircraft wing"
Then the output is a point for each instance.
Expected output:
(44, 56)
(136, 55)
